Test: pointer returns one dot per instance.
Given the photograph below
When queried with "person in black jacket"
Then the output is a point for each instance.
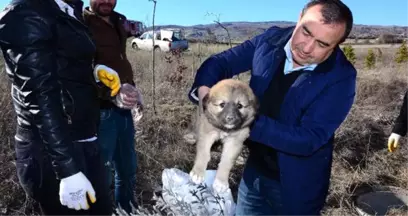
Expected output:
(400, 126)
(48, 56)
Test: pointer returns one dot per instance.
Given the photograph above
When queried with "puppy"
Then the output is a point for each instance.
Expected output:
(224, 114)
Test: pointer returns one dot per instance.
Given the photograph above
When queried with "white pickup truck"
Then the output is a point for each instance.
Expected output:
(165, 40)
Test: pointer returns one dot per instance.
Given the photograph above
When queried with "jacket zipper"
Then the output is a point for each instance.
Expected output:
(61, 13)
(69, 118)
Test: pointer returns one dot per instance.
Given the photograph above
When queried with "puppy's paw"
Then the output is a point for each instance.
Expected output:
(220, 186)
(197, 177)
(190, 138)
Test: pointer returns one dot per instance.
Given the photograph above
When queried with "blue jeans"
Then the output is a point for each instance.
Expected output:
(116, 139)
(257, 194)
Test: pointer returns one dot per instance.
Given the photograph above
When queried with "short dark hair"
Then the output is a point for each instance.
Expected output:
(334, 11)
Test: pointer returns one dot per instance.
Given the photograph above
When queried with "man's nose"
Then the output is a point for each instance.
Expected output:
(309, 46)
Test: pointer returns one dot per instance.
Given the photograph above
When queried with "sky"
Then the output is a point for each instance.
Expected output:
(192, 12)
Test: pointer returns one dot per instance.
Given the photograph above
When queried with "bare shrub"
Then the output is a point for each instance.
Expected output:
(176, 77)
(386, 38)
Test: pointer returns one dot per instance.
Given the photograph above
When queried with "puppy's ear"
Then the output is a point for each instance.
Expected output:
(205, 101)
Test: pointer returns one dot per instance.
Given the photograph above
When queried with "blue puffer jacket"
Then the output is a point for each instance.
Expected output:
(313, 108)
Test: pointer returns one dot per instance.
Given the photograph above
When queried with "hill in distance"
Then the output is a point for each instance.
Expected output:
(240, 31)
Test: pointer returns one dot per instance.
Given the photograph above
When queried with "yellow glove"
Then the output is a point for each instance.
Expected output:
(393, 141)
(108, 77)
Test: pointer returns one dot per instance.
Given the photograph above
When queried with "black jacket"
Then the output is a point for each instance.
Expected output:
(48, 57)
(400, 124)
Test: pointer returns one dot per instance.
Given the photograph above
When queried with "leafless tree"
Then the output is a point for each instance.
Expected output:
(153, 60)
(218, 22)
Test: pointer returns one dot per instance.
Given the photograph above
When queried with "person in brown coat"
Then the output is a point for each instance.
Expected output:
(116, 130)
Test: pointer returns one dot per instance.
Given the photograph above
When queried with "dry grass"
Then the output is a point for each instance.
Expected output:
(361, 157)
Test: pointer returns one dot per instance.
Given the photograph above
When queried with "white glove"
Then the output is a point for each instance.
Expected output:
(73, 190)
(393, 141)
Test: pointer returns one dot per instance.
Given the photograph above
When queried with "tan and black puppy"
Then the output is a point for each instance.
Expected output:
(224, 114)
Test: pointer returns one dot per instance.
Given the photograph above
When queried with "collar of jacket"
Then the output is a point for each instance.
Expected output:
(283, 35)
(66, 7)
(54, 5)
(50, 6)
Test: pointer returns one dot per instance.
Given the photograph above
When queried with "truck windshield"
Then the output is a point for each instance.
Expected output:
(177, 36)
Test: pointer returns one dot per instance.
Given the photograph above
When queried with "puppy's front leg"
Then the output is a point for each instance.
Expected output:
(203, 156)
(231, 149)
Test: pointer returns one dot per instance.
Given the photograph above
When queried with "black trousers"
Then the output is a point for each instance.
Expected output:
(37, 178)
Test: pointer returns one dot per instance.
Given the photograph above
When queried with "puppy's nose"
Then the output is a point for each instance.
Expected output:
(230, 118)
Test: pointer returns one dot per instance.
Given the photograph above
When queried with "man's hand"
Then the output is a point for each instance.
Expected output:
(108, 77)
(202, 91)
(393, 141)
(73, 192)
(128, 97)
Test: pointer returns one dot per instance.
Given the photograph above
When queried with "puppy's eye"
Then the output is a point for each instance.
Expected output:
(240, 106)
(222, 105)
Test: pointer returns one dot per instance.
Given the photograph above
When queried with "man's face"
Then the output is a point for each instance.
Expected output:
(312, 40)
(103, 7)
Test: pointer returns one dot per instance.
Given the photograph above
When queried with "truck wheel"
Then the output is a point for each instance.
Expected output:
(134, 46)
(157, 49)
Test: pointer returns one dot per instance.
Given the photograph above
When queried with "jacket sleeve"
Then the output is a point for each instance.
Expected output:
(225, 65)
(400, 125)
(27, 40)
(318, 124)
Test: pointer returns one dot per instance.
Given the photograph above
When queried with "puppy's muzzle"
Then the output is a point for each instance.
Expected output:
(231, 117)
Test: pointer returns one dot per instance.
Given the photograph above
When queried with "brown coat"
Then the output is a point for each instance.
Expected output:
(110, 41)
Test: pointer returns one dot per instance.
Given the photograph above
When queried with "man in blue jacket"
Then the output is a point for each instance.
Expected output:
(306, 87)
